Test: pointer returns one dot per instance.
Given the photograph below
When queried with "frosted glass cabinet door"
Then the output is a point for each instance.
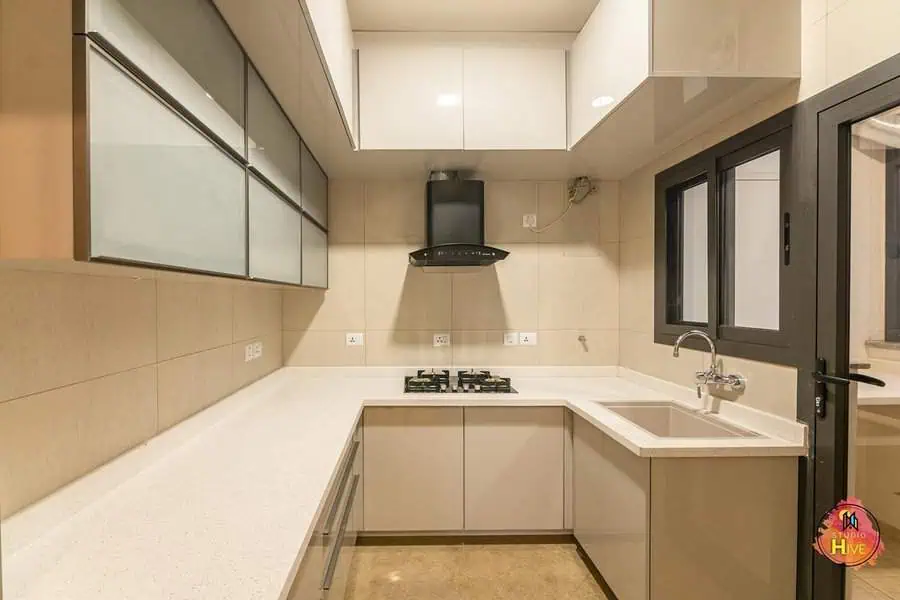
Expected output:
(274, 146)
(160, 192)
(315, 188)
(275, 236)
(315, 255)
(186, 48)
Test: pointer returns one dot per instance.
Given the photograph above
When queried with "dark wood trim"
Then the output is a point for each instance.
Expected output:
(595, 572)
(892, 247)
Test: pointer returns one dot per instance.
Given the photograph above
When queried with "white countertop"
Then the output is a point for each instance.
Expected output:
(222, 506)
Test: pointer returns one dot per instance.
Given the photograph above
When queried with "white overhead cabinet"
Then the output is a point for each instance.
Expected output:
(514, 99)
(410, 98)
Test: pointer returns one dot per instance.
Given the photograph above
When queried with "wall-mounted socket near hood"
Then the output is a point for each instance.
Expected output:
(455, 224)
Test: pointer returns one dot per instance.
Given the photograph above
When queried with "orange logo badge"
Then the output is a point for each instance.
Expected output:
(849, 535)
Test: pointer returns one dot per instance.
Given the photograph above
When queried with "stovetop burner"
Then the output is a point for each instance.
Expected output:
(464, 382)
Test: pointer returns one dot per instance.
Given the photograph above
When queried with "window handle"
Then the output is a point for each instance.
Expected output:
(786, 229)
(851, 377)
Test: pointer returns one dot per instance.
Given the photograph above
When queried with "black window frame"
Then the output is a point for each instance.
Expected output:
(772, 134)
(892, 246)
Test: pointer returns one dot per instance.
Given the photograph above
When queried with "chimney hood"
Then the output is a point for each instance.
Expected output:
(455, 224)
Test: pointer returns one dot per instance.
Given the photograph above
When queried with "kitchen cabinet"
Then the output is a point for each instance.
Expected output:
(410, 97)
(276, 244)
(413, 472)
(333, 32)
(612, 509)
(514, 477)
(273, 145)
(160, 192)
(315, 187)
(514, 99)
(315, 255)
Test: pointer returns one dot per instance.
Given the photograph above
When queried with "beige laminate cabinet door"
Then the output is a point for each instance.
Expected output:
(413, 470)
(612, 509)
(514, 468)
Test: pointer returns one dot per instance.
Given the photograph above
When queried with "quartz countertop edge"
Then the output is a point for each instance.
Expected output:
(223, 505)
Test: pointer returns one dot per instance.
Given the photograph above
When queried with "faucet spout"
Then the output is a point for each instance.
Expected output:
(703, 335)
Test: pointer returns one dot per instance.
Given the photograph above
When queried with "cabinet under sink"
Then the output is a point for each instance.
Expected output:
(667, 419)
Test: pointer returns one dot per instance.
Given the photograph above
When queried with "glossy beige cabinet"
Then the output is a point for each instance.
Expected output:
(612, 510)
(514, 468)
(413, 471)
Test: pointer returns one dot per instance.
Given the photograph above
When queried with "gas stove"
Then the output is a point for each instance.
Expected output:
(464, 382)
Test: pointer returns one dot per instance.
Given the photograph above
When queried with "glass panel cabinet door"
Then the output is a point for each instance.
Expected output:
(273, 145)
(275, 236)
(315, 188)
(315, 255)
(160, 191)
(185, 47)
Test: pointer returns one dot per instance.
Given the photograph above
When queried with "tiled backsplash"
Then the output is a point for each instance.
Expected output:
(561, 284)
(94, 364)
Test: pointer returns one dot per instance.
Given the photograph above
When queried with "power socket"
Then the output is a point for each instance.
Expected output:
(528, 339)
(529, 220)
(511, 338)
(248, 352)
(441, 339)
(356, 339)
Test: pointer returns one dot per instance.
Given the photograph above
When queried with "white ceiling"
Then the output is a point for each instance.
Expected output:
(470, 15)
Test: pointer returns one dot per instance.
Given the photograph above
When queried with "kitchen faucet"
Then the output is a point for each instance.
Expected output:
(712, 375)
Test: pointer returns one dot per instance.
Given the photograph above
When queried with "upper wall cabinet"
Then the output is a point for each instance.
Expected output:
(410, 99)
(514, 98)
(186, 49)
(315, 187)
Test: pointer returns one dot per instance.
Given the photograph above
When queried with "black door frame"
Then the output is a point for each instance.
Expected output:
(827, 120)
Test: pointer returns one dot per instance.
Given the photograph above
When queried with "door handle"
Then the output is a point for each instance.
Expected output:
(851, 377)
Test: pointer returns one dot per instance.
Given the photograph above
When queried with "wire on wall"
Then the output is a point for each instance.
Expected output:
(577, 190)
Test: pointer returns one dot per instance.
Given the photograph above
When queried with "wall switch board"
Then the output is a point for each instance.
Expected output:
(528, 339)
(441, 339)
(511, 338)
(529, 220)
(248, 352)
(356, 339)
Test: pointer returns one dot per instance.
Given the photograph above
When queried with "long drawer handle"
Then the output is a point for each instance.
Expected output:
(345, 477)
(339, 541)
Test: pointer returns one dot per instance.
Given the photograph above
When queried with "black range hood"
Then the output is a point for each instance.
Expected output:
(455, 225)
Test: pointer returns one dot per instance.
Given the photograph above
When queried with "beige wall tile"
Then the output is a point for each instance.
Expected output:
(578, 291)
(257, 311)
(636, 195)
(346, 212)
(590, 223)
(395, 212)
(563, 348)
(504, 204)
(814, 57)
(342, 306)
(638, 352)
(501, 297)
(69, 328)
(321, 348)
(50, 439)
(408, 348)
(399, 296)
(486, 349)
(636, 285)
(812, 11)
(192, 316)
(189, 384)
(246, 373)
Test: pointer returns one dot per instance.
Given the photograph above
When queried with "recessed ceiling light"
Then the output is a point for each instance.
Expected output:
(448, 100)
(602, 101)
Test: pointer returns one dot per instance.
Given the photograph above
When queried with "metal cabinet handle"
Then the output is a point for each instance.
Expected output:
(339, 541)
(345, 477)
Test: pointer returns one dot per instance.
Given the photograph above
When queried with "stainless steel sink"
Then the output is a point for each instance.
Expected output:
(667, 419)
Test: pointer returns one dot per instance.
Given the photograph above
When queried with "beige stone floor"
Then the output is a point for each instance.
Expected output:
(472, 572)
(881, 581)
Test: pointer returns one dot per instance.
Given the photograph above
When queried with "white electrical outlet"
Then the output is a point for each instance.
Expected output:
(356, 339)
(528, 339)
(248, 352)
(441, 339)
(529, 220)
(511, 338)
(257, 350)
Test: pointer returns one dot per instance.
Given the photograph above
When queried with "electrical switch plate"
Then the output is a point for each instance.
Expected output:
(528, 339)
(511, 338)
(356, 339)
(248, 352)
(257, 350)
(529, 220)
(441, 339)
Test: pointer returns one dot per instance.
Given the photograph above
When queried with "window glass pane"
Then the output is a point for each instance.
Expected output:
(160, 191)
(752, 204)
(186, 48)
(694, 280)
